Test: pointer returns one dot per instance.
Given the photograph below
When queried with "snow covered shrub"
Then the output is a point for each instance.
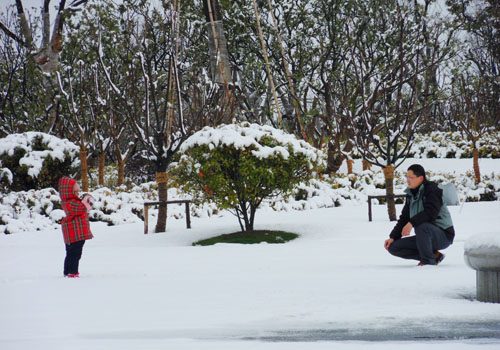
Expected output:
(237, 166)
(439, 144)
(5, 178)
(35, 160)
(30, 211)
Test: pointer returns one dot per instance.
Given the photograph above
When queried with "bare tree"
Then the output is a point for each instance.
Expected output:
(288, 74)
(270, 56)
(472, 106)
(475, 89)
(329, 79)
(219, 58)
(82, 124)
(46, 54)
(21, 106)
(155, 91)
(389, 84)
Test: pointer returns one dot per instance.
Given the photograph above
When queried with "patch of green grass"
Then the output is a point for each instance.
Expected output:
(250, 237)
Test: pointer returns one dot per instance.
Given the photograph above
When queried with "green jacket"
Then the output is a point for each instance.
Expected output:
(426, 205)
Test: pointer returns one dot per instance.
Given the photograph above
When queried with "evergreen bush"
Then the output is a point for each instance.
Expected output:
(237, 166)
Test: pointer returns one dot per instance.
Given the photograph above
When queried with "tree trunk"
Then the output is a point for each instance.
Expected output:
(366, 165)
(389, 191)
(334, 159)
(268, 68)
(253, 209)
(288, 74)
(102, 158)
(350, 162)
(219, 57)
(248, 221)
(475, 159)
(219, 60)
(84, 168)
(161, 224)
(336, 156)
(249, 225)
(121, 171)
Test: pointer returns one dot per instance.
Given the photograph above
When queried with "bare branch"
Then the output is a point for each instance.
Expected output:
(46, 23)
(11, 34)
(25, 28)
(75, 5)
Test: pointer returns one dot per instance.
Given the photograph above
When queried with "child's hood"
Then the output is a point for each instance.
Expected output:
(66, 188)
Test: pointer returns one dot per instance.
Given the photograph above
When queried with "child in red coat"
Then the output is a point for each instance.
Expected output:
(75, 226)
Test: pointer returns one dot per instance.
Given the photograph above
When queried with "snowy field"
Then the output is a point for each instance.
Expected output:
(334, 287)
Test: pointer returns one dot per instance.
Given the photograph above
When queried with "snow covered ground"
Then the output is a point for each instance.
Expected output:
(334, 287)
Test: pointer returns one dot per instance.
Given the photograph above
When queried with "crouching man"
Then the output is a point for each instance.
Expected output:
(425, 212)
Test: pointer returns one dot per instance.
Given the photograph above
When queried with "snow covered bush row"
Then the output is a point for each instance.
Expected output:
(454, 145)
(440, 144)
(30, 210)
(40, 209)
(355, 188)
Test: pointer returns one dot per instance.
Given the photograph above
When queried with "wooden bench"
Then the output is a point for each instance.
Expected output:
(149, 204)
(380, 197)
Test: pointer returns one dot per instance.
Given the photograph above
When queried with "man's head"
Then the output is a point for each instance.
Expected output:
(415, 176)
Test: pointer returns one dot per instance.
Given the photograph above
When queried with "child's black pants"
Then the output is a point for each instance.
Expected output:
(73, 255)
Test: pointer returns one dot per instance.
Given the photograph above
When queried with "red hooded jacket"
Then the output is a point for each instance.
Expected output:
(75, 225)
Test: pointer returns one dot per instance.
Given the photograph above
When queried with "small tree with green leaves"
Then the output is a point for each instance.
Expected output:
(237, 166)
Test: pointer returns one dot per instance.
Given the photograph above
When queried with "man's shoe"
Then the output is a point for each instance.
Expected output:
(438, 256)
(73, 275)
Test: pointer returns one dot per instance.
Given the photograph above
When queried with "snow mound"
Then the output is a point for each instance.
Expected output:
(488, 240)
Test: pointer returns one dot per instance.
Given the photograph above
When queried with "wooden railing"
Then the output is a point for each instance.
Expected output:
(149, 204)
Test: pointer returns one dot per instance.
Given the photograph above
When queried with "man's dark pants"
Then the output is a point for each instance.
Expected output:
(73, 255)
(427, 240)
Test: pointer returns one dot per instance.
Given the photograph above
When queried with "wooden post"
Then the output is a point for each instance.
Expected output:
(188, 216)
(145, 219)
(369, 208)
(384, 196)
